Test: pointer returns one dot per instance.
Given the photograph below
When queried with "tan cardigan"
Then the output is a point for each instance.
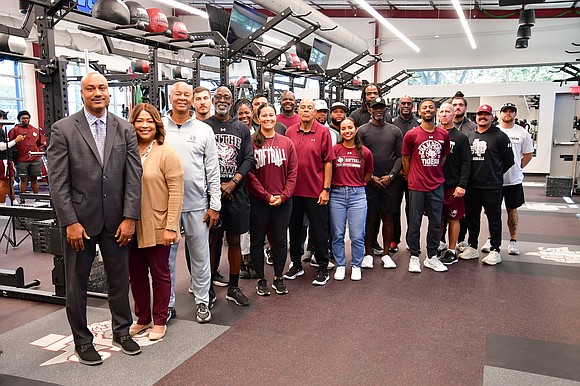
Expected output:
(161, 195)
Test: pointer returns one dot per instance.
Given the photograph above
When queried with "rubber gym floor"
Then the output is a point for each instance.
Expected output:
(516, 323)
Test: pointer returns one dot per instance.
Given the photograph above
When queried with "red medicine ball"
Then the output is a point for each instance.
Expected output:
(157, 20)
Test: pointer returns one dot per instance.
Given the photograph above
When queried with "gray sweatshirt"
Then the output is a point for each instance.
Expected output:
(195, 143)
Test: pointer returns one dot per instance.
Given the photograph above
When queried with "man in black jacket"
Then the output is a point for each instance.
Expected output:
(491, 157)
(456, 169)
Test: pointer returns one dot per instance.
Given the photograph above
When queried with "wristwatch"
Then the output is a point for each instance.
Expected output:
(392, 175)
(327, 189)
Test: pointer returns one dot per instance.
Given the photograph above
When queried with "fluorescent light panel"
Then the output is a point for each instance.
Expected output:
(386, 23)
(459, 11)
(183, 7)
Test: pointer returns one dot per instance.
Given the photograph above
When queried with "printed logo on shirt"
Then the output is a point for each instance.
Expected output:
(430, 151)
(227, 150)
(269, 156)
(478, 148)
(192, 139)
(348, 162)
(451, 145)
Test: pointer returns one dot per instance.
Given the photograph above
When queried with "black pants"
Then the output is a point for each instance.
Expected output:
(77, 269)
(264, 217)
(318, 217)
(490, 200)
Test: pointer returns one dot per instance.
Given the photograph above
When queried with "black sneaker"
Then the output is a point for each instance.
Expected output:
(449, 258)
(321, 278)
(87, 354)
(171, 313)
(280, 287)
(219, 280)
(269, 257)
(202, 313)
(377, 249)
(212, 297)
(244, 271)
(127, 345)
(262, 288)
(236, 295)
(294, 271)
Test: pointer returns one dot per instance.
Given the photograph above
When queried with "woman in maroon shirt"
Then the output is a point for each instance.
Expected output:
(352, 168)
(271, 184)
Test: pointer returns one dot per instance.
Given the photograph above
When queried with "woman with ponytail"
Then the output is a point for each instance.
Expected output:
(352, 168)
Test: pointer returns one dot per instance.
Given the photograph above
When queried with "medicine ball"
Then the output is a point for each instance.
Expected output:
(114, 11)
(139, 15)
(12, 44)
(140, 66)
(157, 20)
(181, 72)
(177, 27)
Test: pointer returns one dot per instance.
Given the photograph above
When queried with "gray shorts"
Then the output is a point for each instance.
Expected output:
(29, 169)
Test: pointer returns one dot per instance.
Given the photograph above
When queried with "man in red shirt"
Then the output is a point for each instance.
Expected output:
(288, 116)
(28, 166)
(424, 151)
(311, 195)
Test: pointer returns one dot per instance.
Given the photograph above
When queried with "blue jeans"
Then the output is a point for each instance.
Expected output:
(348, 203)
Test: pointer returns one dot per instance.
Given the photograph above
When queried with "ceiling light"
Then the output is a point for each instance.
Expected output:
(459, 11)
(527, 17)
(183, 7)
(389, 26)
(521, 43)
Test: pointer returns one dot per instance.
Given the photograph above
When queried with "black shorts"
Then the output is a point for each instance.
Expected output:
(29, 169)
(513, 196)
(383, 200)
(235, 215)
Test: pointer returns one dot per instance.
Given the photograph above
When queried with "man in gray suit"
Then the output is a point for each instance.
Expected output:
(95, 185)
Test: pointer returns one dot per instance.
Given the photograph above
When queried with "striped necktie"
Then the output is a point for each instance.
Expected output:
(100, 136)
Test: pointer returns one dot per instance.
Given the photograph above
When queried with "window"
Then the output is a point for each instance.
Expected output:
(11, 98)
(485, 75)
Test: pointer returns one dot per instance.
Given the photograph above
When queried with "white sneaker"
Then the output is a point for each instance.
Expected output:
(355, 273)
(486, 247)
(442, 247)
(435, 264)
(414, 264)
(340, 273)
(468, 254)
(388, 262)
(462, 246)
(367, 262)
(492, 259)
(513, 248)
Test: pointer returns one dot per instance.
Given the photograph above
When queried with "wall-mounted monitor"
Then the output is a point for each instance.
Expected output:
(320, 53)
(244, 21)
(219, 19)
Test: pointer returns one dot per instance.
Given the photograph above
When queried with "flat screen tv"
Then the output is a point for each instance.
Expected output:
(219, 19)
(320, 53)
(244, 21)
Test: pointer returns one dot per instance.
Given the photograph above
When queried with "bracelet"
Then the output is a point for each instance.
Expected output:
(235, 180)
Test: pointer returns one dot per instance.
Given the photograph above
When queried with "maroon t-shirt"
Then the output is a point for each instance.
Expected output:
(313, 149)
(288, 121)
(426, 150)
(348, 168)
(35, 140)
(275, 169)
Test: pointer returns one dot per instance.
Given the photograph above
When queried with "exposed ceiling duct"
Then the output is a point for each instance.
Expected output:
(341, 36)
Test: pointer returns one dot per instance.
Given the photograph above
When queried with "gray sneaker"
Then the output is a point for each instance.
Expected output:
(468, 254)
(203, 314)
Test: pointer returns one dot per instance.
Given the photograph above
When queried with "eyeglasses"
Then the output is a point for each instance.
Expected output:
(226, 97)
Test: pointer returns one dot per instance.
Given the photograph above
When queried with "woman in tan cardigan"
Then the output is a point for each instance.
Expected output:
(158, 225)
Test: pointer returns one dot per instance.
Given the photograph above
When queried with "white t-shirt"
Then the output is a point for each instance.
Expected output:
(521, 144)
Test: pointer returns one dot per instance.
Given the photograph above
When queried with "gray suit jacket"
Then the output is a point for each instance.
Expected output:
(85, 190)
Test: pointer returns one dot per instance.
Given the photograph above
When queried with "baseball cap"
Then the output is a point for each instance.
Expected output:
(485, 109)
(378, 101)
(320, 104)
(338, 105)
(509, 105)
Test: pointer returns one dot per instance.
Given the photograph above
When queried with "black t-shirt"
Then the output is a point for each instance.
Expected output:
(457, 166)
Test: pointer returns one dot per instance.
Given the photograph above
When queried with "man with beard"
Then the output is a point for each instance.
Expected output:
(491, 157)
(424, 151)
(258, 100)
(384, 140)
(405, 121)
(312, 192)
(288, 116)
(201, 103)
(461, 122)
(513, 190)
(363, 115)
(234, 148)
(456, 170)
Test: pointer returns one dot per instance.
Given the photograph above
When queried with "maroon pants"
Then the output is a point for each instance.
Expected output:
(154, 261)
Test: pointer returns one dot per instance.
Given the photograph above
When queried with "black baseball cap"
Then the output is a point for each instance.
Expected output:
(508, 105)
(378, 101)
